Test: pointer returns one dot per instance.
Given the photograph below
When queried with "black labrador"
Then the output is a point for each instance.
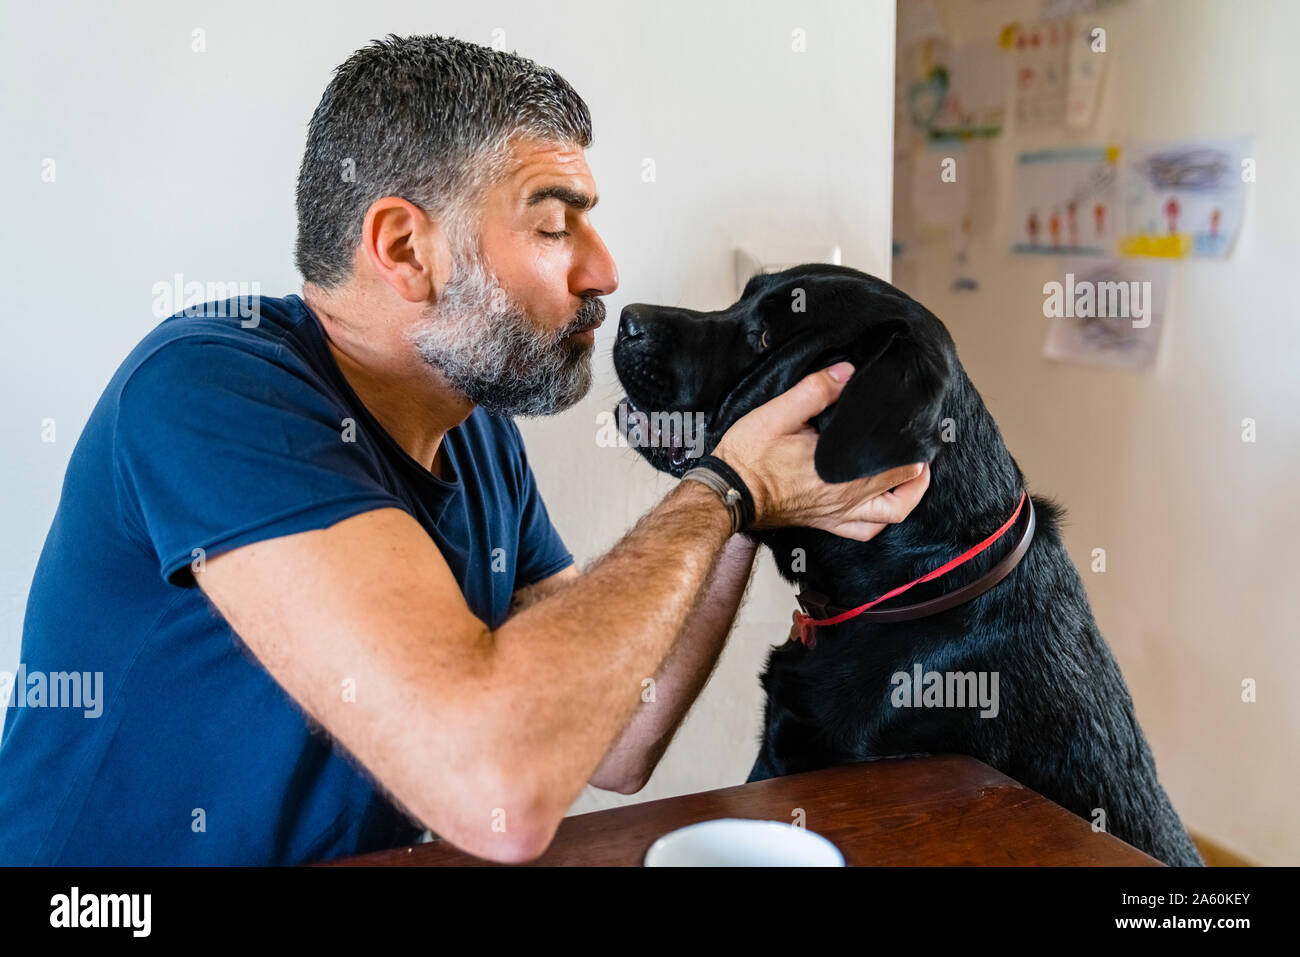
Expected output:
(1017, 676)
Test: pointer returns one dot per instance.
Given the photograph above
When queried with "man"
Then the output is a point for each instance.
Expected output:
(385, 633)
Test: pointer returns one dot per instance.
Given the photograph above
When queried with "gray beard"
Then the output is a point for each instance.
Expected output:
(487, 347)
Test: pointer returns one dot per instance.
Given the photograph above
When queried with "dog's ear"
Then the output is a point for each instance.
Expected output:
(888, 414)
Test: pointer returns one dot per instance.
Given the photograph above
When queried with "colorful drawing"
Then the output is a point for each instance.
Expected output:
(1052, 187)
(955, 94)
(1185, 200)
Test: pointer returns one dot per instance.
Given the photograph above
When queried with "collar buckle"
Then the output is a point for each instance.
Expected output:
(813, 603)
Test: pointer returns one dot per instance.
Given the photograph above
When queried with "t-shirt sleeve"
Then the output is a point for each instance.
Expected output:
(217, 446)
(542, 552)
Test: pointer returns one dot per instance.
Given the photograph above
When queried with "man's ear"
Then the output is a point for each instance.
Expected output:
(888, 414)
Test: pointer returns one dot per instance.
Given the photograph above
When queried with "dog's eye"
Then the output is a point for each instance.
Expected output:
(760, 339)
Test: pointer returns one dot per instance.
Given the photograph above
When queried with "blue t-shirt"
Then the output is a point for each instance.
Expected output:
(213, 435)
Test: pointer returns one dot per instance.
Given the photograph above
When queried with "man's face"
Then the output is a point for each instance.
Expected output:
(515, 325)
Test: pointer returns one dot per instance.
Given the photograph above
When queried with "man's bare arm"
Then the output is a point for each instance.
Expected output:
(637, 750)
(486, 737)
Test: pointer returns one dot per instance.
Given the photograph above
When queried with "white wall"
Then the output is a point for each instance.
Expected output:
(171, 161)
(1202, 531)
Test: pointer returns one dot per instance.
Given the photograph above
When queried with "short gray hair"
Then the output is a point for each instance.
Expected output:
(426, 118)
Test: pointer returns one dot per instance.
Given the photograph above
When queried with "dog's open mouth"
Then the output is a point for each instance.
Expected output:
(668, 449)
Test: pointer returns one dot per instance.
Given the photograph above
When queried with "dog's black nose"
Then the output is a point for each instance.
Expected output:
(631, 322)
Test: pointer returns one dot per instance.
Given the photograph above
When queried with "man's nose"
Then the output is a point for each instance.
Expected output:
(597, 274)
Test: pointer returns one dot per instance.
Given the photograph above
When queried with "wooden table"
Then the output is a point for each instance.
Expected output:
(937, 810)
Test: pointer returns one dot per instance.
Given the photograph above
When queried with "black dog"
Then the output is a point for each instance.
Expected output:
(1061, 721)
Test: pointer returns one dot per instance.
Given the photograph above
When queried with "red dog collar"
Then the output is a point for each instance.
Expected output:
(817, 613)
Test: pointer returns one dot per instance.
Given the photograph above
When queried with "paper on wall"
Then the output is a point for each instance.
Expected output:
(951, 93)
(1066, 201)
(1110, 313)
(979, 83)
(1186, 199)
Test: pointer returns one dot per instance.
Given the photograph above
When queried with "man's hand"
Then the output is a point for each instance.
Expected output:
(772, 450)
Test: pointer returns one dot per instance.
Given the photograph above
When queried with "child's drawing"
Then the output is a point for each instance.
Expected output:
(1065, 202)
(1185, 200)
